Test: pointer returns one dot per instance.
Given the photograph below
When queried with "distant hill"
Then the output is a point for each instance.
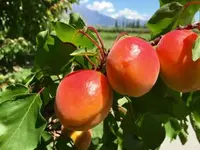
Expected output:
(97, 19)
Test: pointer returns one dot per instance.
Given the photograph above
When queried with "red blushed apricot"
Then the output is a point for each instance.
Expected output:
(83, 99)
(132, 67)
(178, 70)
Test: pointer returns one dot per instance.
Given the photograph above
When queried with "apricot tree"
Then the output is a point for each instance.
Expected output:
(131, 96)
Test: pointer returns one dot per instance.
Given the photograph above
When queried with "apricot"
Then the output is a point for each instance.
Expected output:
(178, 70)
(81, 139)
(132, 66)
(83, 99)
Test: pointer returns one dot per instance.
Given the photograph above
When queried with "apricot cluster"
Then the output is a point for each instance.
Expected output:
(84, 98)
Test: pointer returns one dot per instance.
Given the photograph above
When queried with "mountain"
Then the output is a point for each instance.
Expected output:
(95, 18)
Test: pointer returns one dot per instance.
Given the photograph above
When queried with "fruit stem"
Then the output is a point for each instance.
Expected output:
(155, 41)
(120, 36)
(102, 58)
(41, 90)
(97, 34)
(91, 62)
(190, 3)
(190, 26)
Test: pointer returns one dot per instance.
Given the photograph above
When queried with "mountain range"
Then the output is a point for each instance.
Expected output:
(95, 18)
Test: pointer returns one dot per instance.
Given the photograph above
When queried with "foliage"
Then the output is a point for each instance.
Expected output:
(27, 111)
(27, 18)
(15, 52)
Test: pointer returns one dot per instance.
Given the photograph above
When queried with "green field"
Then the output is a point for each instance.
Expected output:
(109, 37)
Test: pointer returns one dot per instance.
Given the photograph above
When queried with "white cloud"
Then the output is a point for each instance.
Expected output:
(84, 1)
(130, 14)
(105, 6)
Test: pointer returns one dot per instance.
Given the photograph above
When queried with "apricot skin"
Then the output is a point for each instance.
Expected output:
(132, 67)
(81, 139)
(178, 70)
(83, 99)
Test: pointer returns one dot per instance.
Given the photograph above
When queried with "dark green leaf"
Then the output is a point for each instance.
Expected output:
(152, 132)
(183, 137)
(165, 19)
(131, 133)
(53, 59)
(196, 50)
(21, 123)
(12, 91)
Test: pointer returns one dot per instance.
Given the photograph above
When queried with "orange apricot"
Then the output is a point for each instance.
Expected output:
(178, 70)
(83, 99)
(81, 139)
(132, 66)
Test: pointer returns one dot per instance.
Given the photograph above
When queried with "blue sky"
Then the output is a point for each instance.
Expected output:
(141, 9)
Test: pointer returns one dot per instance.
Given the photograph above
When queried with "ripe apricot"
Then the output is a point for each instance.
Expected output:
(83, 99)
(81, 139)
(132, 66)
(178, 70)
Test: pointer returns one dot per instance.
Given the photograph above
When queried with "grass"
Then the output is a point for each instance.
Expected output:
(109, 38)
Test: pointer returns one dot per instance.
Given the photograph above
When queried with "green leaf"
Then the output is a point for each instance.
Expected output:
(152, 132)
(183, 137)
(82, 52)
(195, 122)
(165, 19)
(131, 133)
(21, 123)
(76, 21)
(67, 33)
(196, 50)
(12, 91)
(173, 128)
(97, 131)
(41, 38)
(55, 57)
(188, 14)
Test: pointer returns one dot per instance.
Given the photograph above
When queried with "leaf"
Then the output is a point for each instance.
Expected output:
(165, 19)
(13, 91)
(173, 128)
(187, 15)
(82, 52)
(131, 133)
(163, 2)
(195, 122)
(41, 38)
(152, 132)
(21, 123)
(196, 50)
(76, 21)
(97, 131)
(183, 137)
(67, 33)
(55, 57)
